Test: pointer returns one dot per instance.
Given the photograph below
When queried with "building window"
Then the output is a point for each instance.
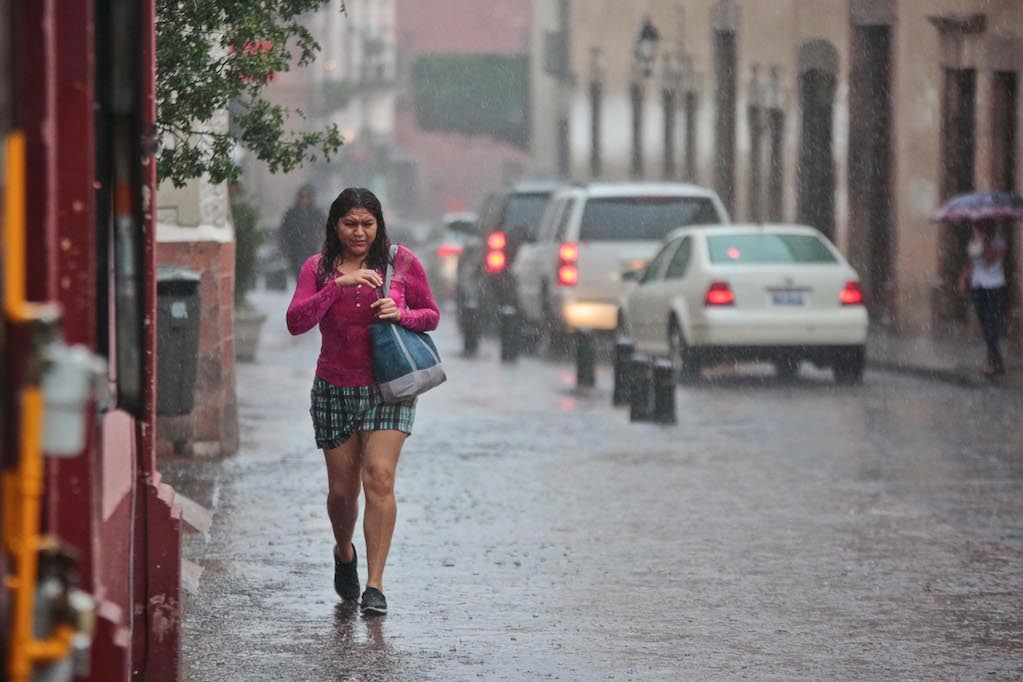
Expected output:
(958, 146)
(564, 150)
(816, 152)
(775, 164)
(754, 118)
(637, 130)
(871, 229)
(670, 115)
(690, 136)
(725, 58)
(596, 105)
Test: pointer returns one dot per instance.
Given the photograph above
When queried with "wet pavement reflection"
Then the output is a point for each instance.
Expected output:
(781, 530)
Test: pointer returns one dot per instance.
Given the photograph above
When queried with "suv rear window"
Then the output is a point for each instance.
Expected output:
(643, 218)
(747, 249)
(524, 210)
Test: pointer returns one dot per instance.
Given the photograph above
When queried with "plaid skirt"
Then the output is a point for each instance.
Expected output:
(340, 411)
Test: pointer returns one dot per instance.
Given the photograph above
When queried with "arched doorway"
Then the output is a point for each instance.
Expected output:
(818, 80)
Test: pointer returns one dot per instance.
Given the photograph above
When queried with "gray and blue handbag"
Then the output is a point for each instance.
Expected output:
(406, 363)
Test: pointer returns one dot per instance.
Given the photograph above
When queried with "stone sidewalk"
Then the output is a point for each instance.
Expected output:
(955, 359)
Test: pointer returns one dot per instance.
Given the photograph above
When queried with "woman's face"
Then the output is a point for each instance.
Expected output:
(357, 231)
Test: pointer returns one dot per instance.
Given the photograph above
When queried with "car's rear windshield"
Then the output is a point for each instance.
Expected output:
(643, 218)
(524, 210)
(754, 249)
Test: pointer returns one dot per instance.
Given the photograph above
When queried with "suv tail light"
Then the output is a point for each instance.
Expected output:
(496, 258)
(497, 241)
(569, 252)
(568, 269)
(719, 294)
(568, 275)
(496, 261)
(852, 294)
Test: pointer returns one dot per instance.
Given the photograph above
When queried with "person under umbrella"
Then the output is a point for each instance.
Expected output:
(983, 275)
(983, 278)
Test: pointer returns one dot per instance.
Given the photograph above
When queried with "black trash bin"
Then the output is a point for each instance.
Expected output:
(177, 339)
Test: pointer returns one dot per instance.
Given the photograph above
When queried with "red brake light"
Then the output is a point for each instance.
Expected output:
(852, 294)
(497, 241)
(496, 261)
(449, 250)
(568, 275)
(569, 252)
(719, 293)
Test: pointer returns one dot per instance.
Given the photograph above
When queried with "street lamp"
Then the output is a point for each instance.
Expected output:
(644, 54)
(645, 50)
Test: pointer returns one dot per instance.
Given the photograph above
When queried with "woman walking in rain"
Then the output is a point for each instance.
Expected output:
(984, 275)
(360, 435)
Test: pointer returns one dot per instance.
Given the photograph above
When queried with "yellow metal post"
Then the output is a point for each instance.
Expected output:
(23, 487)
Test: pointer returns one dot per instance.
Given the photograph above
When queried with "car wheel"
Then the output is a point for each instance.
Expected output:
(849, 368)
(687, 367)
(787, 369)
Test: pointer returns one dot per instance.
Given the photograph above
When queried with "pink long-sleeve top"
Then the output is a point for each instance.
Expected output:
(344, 316)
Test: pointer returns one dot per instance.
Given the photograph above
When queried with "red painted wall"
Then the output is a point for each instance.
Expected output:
(455, 171)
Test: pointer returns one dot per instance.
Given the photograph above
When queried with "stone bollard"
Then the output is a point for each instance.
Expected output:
(585, 359)
(640, 381)
(622, 376)
(664, 393)
(509, 332)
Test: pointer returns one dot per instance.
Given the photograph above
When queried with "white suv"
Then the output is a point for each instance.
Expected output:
(590, 235)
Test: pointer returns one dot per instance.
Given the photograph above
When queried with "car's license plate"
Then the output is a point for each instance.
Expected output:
(790, 298)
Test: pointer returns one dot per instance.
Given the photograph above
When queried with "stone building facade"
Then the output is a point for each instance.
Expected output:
(449, 171)
(859, 117)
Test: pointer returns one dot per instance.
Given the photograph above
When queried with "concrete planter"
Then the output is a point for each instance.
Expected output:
(248, 324)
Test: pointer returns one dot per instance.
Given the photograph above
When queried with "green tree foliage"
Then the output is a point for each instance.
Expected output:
(216, 54)
(473, 94)
(247, 241)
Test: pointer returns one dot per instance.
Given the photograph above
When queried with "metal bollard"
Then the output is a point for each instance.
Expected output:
(585, 359)
(510, 330)
(664, 393)
(622, 385)
(639, 379)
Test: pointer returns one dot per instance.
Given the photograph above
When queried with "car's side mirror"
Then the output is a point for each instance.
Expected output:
(633, 275)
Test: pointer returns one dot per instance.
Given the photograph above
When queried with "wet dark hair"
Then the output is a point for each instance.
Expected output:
(353, 197)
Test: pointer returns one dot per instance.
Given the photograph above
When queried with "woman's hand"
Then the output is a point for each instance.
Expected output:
(370, 278)
(387, 309)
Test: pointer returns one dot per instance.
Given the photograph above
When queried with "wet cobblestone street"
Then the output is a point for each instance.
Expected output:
(778, 531)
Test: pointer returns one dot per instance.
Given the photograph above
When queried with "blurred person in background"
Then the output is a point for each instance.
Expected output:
(984, 278)
(301, 233)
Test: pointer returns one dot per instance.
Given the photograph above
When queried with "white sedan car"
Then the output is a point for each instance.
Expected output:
(776, 293)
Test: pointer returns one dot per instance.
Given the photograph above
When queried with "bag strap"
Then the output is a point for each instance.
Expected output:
(389, 275)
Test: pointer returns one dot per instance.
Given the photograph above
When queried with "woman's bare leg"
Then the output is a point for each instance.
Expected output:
(380, 453)
(344, 478)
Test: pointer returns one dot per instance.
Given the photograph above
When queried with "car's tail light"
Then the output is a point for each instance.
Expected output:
(496, 261)
(568, 275)
(852, 294)
(569, 253)
(496, 258)
(568, 264)
(719, 293)
(497, 241)
(449, 250)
